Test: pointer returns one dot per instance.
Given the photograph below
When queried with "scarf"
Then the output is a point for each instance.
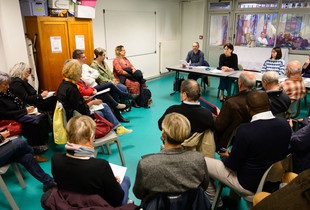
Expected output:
(80, 150)
(15, 99)
(72, 81)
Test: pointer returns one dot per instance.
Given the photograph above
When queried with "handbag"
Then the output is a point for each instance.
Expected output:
(103, 127)
(59, 130)
(12, 126)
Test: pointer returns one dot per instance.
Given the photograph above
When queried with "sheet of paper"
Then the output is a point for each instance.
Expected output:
(184, 62)
(49, 94)
(56, 44)
(98, 93)
(35, 112)
(79, 42)
(96, 107)
(118, 171)
(216, 71)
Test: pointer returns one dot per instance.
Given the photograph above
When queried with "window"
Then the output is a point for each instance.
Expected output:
(258, 4)
(218, 30)
(289, 4)
(256, 29)
(294, 31)
(225, 5)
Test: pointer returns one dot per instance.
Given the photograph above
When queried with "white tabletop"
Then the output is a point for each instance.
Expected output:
(253, 58)
(200, 70)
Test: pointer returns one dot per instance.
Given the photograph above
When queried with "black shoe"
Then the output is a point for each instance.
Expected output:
(230, 203)
(134, 104)
(122, 119)
(49, 185)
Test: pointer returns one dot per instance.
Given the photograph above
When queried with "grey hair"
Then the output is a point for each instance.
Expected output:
(292, 67)
(247, 82)
(271, 77)
(68, 60)
(18, 70)
(4, 77)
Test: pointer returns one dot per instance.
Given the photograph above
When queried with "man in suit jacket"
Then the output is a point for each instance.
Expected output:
(257, 146)
(233, 111)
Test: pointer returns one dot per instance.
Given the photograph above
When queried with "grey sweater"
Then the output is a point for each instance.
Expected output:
(171, 170)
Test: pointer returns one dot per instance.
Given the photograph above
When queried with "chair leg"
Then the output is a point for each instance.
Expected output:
(218, 93)
(108, 148)
(217, 196)
(18, 175)
(102, 149)
(120, 151)
(96, 151)
(7, 194)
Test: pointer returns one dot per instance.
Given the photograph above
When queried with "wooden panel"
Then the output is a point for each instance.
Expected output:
(51, 73)
(82, 27)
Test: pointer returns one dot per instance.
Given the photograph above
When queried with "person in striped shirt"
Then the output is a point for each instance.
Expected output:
(275, 62)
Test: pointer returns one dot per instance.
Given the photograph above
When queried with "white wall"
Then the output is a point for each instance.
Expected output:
(192, 25)
(167, 27)
(12, 39)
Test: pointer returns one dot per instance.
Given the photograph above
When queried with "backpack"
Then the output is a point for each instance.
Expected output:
(177, 84)
(144, 98)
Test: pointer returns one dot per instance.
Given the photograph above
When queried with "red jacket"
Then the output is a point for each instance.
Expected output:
(84, 88)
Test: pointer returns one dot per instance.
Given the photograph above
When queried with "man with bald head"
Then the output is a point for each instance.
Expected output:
(279, 100)
(233, 111)
(199, 117)
(257, 146)
(294, 86)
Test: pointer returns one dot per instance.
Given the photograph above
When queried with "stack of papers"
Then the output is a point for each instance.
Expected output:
(49, 94)
(118, 171)
(96, 107)
(35, 111)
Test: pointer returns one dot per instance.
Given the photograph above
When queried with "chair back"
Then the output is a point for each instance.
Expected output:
(240, 67)
(294, 110)
(194, 199)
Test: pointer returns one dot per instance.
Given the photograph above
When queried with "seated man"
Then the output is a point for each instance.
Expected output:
(196, 57)
(199, 117)
(257, 146)
(279, 100)
(294, 86)
(172, 170)
(300, 148)
(233, 111)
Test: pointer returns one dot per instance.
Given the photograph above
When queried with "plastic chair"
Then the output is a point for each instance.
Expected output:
(19, 174)
(111, 137)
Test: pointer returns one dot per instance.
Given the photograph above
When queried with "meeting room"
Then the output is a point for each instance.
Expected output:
(154, 104)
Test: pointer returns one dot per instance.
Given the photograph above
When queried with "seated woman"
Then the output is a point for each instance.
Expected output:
(70, 97)
(34, 127)
(126, 73)
(17, 150)
(94, 175)
(275, 63)
(173, 169)
(21, 88)
(228, 62)
(306, 68)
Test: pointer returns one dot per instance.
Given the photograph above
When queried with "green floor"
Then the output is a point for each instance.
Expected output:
(143, 140)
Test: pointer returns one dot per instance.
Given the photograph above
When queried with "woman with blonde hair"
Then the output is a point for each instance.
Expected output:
(173, 169)
(78, 170)
(19, 74)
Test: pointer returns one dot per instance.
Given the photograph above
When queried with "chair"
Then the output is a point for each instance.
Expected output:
(111, 137)
(294, 110)
(19, 174)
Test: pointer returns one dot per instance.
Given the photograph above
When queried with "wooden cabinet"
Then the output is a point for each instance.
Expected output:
(56, 41)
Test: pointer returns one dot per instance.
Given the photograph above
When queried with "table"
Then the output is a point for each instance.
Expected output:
(199, 70)
(253, 58)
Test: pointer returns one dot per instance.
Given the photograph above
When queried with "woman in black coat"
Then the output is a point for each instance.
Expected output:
(21, 88)
(34, 127)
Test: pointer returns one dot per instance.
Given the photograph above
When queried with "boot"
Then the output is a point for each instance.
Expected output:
(134, 104)
(120, 118)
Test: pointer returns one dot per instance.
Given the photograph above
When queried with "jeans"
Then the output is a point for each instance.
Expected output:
(108, 115)
(125, 185)
(116, 90)
(223, 84)
(19, 151)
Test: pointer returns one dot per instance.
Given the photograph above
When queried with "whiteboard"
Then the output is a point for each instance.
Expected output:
(136, 31)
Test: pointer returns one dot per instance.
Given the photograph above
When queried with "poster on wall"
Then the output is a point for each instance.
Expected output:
(79, 42)
(56, 44)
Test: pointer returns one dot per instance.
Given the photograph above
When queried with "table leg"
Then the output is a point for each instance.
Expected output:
(177, 76)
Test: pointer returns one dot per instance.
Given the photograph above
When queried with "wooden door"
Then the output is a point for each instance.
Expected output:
(54, 52)
(81, 37)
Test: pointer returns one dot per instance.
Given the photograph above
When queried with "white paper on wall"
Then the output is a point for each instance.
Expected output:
(56, 44)
(79, 42)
